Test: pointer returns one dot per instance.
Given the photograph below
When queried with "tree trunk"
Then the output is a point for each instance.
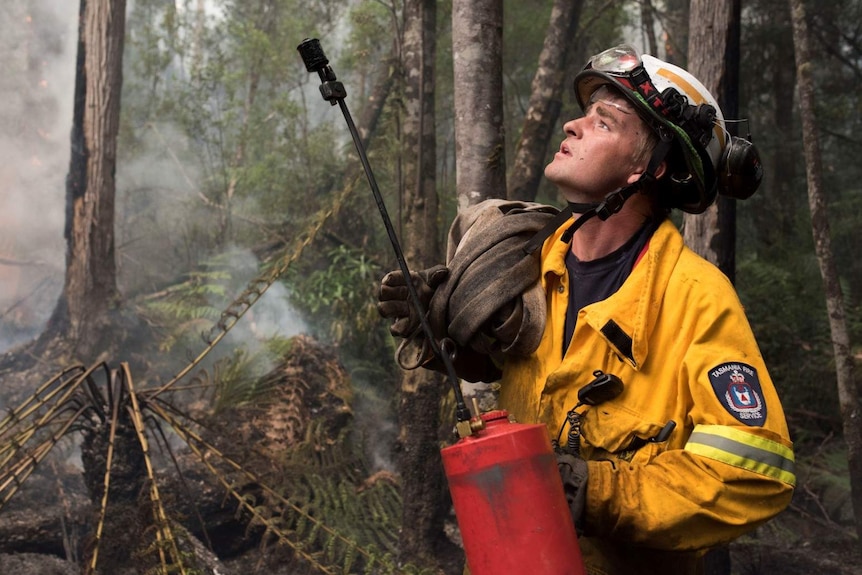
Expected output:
(648, 27)
(546, 101)
(714, 32)
(477, 48)
(372, 108)
(90, 288)
(848, 395)
(713, 58)
(777, 221)
(423, 488)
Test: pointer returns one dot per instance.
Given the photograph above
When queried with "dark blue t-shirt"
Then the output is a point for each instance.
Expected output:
(596, 280)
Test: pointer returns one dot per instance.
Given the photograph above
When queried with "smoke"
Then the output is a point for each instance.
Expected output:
(162, 218)
(272, 315)
(37, 72)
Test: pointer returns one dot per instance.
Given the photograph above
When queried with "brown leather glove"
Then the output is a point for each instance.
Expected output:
(573, 471)
(393, 299)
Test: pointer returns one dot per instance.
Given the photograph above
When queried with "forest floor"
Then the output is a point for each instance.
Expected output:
(815, 535)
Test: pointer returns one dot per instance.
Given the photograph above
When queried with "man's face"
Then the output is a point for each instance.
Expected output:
(601, 151)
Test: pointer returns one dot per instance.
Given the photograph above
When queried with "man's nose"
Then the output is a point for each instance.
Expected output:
(570, 127)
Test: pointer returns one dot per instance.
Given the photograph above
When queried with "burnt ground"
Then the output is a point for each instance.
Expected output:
(46, 527)
(37, 531)
(792, 544)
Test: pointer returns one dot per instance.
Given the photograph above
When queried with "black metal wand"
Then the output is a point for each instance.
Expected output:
(333, 91)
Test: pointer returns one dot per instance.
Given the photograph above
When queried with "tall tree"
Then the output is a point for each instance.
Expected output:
(848, 391)
(90, 287)
(648, 26)
(782, 204)
(546, 100)
(713, 58)
(713, 33)
(419, 461)
(477, 45)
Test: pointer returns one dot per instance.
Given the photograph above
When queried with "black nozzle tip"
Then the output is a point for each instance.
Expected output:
(312, 55)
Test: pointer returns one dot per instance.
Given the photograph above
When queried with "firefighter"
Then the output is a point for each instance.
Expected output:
(695, 450)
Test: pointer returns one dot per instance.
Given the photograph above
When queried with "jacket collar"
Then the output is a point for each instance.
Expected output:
(626, 318)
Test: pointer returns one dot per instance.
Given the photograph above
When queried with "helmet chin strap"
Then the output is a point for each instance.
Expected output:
(612, 203)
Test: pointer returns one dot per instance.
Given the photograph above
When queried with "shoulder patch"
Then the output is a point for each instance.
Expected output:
(738, 389)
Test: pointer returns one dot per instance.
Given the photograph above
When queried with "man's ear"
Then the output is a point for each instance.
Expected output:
(636, 175)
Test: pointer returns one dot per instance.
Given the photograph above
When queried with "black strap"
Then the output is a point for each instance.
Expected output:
(543, 234)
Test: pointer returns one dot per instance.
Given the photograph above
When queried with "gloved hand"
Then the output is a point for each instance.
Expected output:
(573, 471)
(393, 299)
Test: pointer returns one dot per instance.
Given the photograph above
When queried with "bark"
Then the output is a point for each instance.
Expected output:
(477, 48)
(546, 101)
(419, 192)
(372, 109)
(848, 397)
(713, 58)
(423, 489)
(90, 287)
(713, 32)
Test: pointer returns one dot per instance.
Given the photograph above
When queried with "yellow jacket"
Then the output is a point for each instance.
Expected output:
(676, 335)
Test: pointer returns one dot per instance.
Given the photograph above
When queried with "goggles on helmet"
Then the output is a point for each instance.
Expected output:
(624, 64)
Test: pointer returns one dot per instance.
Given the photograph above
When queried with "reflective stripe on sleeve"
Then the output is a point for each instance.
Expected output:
(743, 450)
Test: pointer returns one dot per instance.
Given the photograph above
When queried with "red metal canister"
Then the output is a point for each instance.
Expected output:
(509, 501)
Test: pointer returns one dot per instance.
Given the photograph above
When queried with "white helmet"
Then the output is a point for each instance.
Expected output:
(678, 107)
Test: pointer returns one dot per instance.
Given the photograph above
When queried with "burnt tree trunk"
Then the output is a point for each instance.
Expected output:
(90, 288)
(848, 392)
(127, 520)
(546, 101)
(477, 48)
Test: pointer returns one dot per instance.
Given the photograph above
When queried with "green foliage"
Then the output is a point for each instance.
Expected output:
(786, 310)
(231, 87)
(370, 22)
(188, 308)
(237, 380)
(244, 148)
(342, 292)
(183, 312)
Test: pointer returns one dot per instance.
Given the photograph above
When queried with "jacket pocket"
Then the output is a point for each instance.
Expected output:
(614, 432)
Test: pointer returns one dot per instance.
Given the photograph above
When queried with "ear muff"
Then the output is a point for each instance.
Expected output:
(739, 169)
